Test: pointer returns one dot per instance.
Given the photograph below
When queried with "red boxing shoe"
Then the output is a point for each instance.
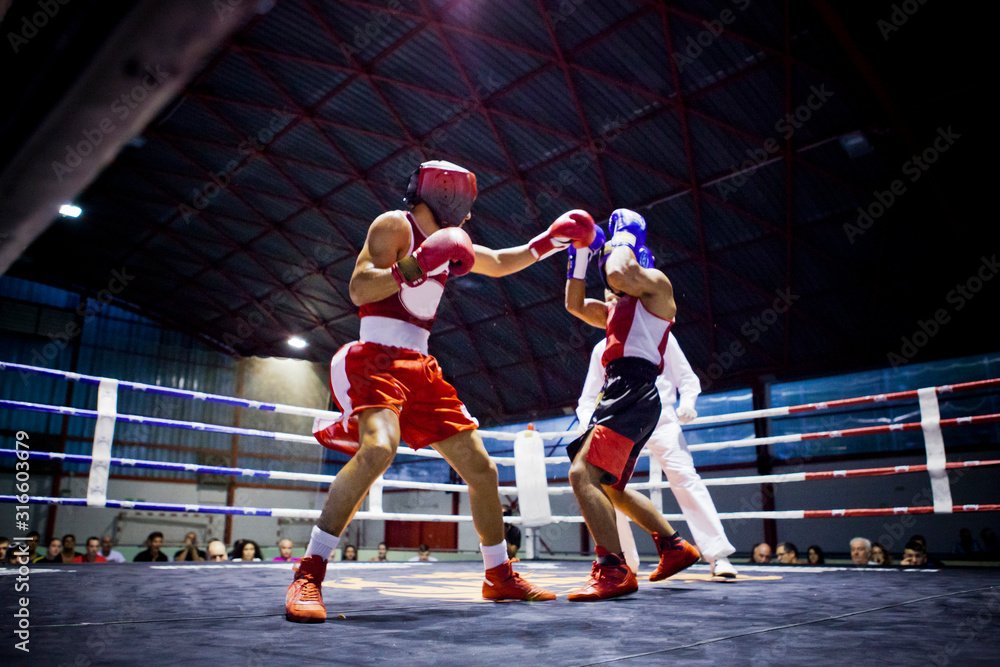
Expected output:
(503, 583)
(606, 582)
(676, 554)
(304, 599)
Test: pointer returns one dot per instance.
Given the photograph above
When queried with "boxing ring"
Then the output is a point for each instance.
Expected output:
(432, 613)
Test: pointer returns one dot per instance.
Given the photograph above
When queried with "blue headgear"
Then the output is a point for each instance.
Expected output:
(628, 224)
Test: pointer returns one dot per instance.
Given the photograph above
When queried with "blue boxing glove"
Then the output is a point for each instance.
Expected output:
(645, 258)
(580, 258)
(627, 228)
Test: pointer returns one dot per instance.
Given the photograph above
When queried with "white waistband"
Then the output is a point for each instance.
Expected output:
(394, 333)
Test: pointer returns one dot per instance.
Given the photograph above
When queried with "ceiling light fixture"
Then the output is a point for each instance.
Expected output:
(70, 211)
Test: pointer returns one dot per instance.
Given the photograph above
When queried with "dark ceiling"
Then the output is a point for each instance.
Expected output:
(241, 208)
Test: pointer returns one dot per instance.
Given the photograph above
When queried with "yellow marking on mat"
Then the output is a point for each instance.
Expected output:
(705, 576)
(450, 586)
(468, 586)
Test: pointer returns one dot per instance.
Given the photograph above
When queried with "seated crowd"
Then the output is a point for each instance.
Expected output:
(864, 553)
(102, 550)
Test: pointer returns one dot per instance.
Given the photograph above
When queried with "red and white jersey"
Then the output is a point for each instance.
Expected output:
(633, 331)
(404, 319)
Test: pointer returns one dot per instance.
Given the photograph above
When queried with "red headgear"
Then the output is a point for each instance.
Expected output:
(447, 189)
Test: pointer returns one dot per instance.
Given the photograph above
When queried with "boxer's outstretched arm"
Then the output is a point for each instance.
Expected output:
(387, 242)
(572, 227)
(591, 311)
(499, 263)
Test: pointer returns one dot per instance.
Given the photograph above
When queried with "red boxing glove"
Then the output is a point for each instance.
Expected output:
(576, 227)
(450, 245)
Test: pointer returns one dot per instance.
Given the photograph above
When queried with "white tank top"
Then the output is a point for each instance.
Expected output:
(633, 331)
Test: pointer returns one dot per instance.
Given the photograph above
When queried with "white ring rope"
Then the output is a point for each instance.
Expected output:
(931, 423)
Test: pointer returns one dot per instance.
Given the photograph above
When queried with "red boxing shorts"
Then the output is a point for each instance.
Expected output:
(366, 376)
(626, 414)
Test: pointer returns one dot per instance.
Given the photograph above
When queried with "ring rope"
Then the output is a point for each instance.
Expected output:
(198, 468)
(925, 395)
(783, 478)
(293, 513)
(844, 433)
(499, 435)
(841, 403)
(500, 460)
(192, 426)
(505, 490)
(173, 392)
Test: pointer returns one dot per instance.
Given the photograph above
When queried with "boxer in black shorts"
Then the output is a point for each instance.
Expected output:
(638, 317)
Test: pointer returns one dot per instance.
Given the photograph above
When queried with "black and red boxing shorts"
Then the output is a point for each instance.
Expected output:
(628, 409)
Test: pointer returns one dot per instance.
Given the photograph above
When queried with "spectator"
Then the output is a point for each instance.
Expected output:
(54, 553)
(991, 544)
(152, 553)
(110, 554)
(761, 553)
(914, 554)
(921, 557)
(33, 539)
(92, 555)
(512, 534)
(247, 551)
(285, 548)
(423, 555)
(968, 545)
(191, 550)
(861, 550)
(217, 551)
(4, 545)
(350, 553)
(787, 553)
(815, 555)
(69, 552)
(382, 555)
(880, 556)
(18, 555)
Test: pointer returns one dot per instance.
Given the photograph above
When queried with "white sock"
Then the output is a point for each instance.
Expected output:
(495, 555)
(321, 543)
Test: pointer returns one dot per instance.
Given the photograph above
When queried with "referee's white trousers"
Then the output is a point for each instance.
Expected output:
(670, 448)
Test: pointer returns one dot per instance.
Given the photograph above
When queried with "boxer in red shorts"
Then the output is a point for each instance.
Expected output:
(389, 388)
